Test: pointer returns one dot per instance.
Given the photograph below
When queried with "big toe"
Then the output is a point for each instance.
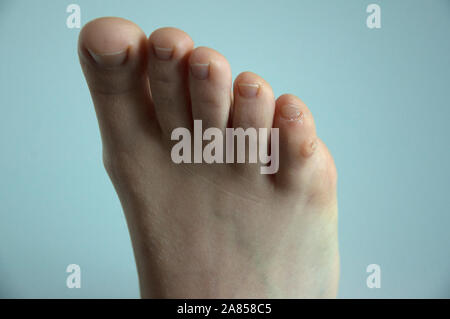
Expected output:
(113, 56)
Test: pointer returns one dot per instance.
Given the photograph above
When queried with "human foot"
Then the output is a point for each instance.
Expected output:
(209, 230)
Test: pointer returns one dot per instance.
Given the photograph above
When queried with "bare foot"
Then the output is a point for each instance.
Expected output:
(209, 230)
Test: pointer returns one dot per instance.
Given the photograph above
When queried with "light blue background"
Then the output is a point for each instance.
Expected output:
(380, 99)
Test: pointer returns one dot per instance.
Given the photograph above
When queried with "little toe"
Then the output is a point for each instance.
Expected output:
(304, 160)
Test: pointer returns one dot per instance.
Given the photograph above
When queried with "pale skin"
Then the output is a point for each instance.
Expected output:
(209, 230)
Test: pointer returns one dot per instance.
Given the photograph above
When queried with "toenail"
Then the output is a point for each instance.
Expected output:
(110, 58)
(291, 112)
(163, 53)
(248, 89)
(200, 70)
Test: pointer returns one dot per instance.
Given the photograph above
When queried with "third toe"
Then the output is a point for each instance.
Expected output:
(210, 87)
(254, 103)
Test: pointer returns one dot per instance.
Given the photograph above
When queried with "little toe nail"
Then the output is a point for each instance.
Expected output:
(291, 112)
